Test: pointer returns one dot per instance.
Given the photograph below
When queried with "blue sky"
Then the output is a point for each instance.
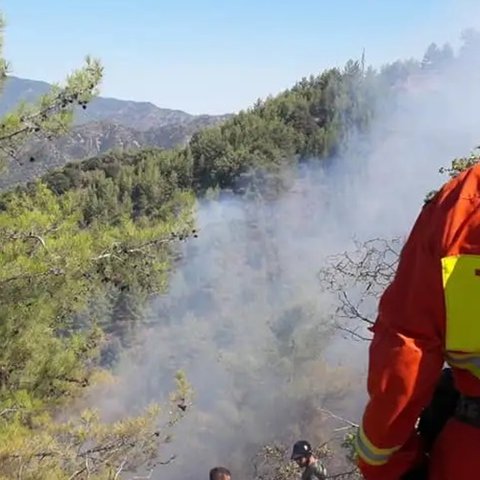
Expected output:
(215, 56)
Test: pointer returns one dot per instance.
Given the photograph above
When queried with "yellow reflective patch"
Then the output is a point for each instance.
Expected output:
(461, 283)
(370, 453)
(465, 362)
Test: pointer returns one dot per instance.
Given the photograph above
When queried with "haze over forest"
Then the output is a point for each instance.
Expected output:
(153, 256)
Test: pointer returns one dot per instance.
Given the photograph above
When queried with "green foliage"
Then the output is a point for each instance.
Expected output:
(53, 112)
(3, 62)
(87, 240)
(85, 447)
(273, 462)
(457, 166)
(461, 164)
(435, 57)
(82, 249)
(349, 445)
(56, 263)
(313, 118)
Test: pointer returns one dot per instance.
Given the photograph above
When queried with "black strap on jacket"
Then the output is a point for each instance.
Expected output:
(441, 408)
(468, 410)
(433, 418)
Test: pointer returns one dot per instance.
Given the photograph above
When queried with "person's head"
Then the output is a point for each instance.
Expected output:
(220, 473)
(302, 453)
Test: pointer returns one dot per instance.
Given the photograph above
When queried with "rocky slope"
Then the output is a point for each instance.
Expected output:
(106, 124)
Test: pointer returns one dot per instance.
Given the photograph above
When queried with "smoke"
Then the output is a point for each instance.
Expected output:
(245, 316)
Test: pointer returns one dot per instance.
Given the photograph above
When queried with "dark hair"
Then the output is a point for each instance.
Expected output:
(219, 473)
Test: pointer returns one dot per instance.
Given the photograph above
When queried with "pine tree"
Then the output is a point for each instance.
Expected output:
(62, 251)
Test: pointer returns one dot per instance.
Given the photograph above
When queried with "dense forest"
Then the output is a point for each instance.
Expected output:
(84, 247)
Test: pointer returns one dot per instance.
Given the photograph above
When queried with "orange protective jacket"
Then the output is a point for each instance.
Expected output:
(429, 314)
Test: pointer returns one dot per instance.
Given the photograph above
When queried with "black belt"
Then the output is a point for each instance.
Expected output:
(468, 410)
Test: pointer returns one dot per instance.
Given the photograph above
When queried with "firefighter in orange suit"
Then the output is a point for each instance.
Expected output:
(428, 315)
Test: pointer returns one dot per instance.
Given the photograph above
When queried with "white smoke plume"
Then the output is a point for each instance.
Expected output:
(245, 316)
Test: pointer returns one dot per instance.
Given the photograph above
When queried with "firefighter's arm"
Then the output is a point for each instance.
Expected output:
(405, 361)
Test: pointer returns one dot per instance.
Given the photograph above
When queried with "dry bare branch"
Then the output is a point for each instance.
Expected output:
(357, 279)
(337, 417)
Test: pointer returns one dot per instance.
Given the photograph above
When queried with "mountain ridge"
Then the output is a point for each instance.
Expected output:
(107, 123)
(141, 115)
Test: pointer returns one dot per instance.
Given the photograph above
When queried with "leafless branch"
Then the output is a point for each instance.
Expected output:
(107, 255)
(119, 470)
(76, 474)
(7, 410)
(166, 462)
(143, 477)
(352, 310)
(342, 429)
(50, 271)
(358, 278)
(337, 417)
(352, 332)
(140, 249)
(87, 467)
(39, 238)
(343, 474)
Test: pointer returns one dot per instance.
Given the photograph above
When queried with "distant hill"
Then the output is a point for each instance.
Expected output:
(137, 115)
(106, 124)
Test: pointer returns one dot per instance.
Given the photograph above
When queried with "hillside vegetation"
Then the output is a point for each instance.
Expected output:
(84, 247)
(106, 124)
